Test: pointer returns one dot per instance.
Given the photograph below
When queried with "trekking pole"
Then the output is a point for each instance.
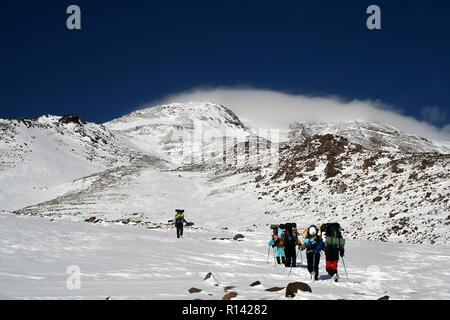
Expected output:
(313, 273)
(343, 262)
(290, 270)
(274, 259)
(268, 252)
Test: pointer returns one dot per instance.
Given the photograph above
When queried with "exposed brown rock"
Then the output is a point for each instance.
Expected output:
(208, 275)
(228, 288)
(256, 283)
(274, 289)
(230, 295)
(294, 287)
(194, 290)
(238, 236)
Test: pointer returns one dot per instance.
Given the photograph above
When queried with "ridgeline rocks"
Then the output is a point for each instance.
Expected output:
(328, 177)
(72, 118)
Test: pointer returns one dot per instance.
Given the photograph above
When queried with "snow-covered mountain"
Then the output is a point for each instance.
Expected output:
(379, 183)
(369, 134)
(182, 132)
(149, 160)
(39, 154)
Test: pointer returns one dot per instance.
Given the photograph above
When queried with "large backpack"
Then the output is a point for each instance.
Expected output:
(291, 233)
(179, 218)
(333, 234)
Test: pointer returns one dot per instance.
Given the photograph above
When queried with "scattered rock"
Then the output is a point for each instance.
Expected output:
(379, 198)
(238, 236)
(91, 219)
(209, 275)
(228, 288)
(294, 287)
(384, 298)
(194, 290)
(230, 295)
(256, 283)
(274, 289)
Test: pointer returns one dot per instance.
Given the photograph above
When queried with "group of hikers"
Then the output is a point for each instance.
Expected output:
(327, 237)
(285, 238)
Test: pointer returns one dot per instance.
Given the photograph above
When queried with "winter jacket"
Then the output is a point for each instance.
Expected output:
(279, 251)
(313, 243)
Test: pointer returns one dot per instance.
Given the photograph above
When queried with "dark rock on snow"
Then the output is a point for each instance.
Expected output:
(238, 236)
(274, 289)
(294, 287)
(230, 295)
(194, 290)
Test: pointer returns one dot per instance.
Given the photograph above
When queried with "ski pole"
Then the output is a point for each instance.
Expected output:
(296, 256)
(268, 252)
(274, 259)
(343, 262)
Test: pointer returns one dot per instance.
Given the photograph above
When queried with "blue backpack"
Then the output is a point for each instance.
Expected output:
(179, 218)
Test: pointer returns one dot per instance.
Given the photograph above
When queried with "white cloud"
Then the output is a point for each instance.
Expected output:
(434, 114)
(270, 109)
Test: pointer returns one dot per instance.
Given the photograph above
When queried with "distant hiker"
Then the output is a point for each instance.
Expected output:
(312, 245)
(179, 220)
(290, 240)
(334, 247)
(277, 243)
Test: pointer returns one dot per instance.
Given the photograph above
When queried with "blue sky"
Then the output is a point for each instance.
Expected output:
(131, 52)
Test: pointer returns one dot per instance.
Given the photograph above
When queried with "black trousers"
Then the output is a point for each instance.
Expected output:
(291, 258)
(313, 264)
(179, 227)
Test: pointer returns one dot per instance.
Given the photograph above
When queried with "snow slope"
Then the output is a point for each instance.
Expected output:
(38, 156)
(124, 262)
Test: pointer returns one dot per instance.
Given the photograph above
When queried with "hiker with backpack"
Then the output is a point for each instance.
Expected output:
(277, 243)
(312, 244)
(290, 240)
(178, 221)
(333, 246)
